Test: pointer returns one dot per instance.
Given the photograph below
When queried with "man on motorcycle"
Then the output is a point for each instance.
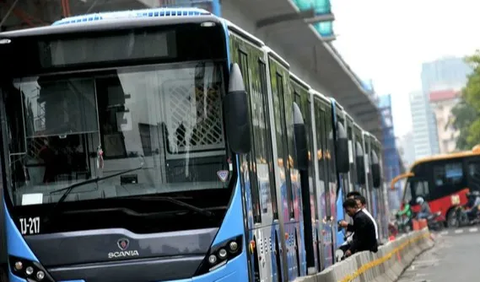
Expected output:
(405, 215)
(471, 207)
(424, 208)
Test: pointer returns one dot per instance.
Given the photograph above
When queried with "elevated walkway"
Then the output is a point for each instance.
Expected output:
(300, 35)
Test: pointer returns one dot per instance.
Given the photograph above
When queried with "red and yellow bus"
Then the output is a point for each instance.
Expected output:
(443, 181)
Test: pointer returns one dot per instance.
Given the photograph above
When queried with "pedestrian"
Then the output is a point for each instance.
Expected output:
(364, 238)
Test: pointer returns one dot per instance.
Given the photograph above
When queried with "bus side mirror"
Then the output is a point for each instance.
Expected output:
(235, 108)
(376, 173)
(360, 164)
(343, 161)
(300, 138)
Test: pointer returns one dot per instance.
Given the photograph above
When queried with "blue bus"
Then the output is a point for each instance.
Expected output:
(168, 145)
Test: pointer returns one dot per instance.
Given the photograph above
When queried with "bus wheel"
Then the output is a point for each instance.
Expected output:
(452, 220)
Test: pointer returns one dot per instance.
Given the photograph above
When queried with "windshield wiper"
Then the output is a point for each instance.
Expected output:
(70, 188)
(174, 200)
(130, 212)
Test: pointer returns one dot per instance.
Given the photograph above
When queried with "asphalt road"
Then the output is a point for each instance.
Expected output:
(455, 257)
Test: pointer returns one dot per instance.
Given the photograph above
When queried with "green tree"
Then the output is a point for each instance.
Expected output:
(467, 112)
(464, 115)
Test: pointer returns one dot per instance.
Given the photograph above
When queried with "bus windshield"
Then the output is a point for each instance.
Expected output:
(65, 129)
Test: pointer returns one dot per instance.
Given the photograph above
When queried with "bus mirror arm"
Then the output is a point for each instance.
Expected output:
(398, 178)
(235, 107)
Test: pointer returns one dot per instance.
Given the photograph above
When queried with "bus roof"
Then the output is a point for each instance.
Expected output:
(144, 13)
(474, 152)
(106, 23)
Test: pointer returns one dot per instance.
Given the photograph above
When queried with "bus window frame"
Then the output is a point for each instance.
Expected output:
(475, 160)
(413, 193)
(448, 188)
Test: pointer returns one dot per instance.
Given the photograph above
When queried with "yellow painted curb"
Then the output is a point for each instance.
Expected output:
(367, 266)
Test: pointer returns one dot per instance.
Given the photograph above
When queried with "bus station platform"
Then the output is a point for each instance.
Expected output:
(387, 265)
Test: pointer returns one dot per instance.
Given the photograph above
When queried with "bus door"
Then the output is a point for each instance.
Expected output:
(302, 99)
(343, 180)
(322, 121)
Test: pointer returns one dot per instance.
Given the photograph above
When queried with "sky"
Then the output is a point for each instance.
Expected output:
(388, 40)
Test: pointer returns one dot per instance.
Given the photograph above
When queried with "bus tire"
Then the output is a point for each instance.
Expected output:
(451, 220)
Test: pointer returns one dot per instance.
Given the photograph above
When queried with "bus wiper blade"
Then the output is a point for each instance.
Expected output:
(70, 188)
(180, 203)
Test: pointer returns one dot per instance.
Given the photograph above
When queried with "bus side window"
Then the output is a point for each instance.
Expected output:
(286, 98)
(262, 141)
(320, 156)
(448, 177)
(421, 189)
(249, 163)
(474, 174)
(332, 176)
(418, 188)
(351, 155)
(277, 84)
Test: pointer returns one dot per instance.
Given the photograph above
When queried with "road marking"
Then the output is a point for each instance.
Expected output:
(459, 231)
(473, 229)
(444, 233)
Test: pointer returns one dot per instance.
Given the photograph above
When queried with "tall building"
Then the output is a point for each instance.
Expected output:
(442, 104)
(445, 73)
(425, 137)
(406, 148)
(441, 81)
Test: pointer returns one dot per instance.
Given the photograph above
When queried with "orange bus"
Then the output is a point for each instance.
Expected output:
(443, 181)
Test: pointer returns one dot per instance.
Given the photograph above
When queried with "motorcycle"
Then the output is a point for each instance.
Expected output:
(404, 224)
(460, 217)
(435, 221)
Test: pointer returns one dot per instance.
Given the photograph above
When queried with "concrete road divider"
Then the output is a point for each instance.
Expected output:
(384, 266)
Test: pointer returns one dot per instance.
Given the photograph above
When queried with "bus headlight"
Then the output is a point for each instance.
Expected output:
(40, 275)
(220, 254)
(233, 246)
(18, 265)
(212, 259)
(29, 270)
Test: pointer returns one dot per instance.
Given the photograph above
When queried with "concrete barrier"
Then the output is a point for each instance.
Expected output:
(384, 266)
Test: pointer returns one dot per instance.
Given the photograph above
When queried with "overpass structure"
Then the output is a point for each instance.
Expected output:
(299, 30)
